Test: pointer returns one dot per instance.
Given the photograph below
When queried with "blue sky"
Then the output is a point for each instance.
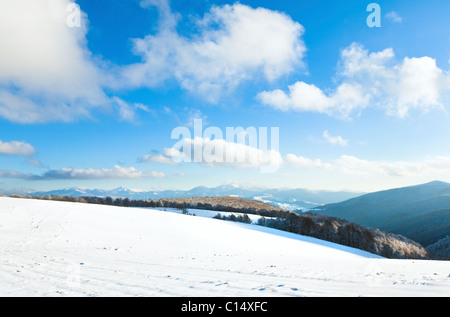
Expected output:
(94, 104)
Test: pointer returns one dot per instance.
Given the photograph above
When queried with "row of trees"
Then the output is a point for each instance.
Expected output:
(124, 202)
(239, 218)
(441, 249)
(348, 233)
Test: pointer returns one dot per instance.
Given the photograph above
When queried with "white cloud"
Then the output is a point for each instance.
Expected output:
(127, 111)
(16, 148)
(304, 162)
(235, 43)
(213, 153)
(117, 172)
(420, 85)
(303, 97)
(352, 165)
(158, 158)
(218, 152)
(397, 87)
(46, 70)
(369, 79)
(394, 17)
(357, 63)
(334, 140)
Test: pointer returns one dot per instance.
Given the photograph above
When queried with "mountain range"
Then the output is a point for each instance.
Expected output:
(289, 199)
(421, 212)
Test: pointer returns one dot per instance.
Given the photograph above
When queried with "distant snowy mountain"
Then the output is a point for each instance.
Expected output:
(73, 192)
(289, 199)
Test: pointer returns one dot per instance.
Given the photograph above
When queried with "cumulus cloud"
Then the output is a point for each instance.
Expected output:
(16, 148)
(221, 153)
(334, 140)
(303, 97)
(299, 161)
(218, 152)
(157, 158)
(369, 79)
(20, 148)
(46, 71)
(394, 17)
(421, 85)
(233, 44)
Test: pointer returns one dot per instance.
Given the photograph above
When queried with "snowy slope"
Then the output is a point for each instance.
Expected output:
(66, 249)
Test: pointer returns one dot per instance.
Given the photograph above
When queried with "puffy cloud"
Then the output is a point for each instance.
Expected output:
(46, 70)
(369, 79)
(299, 161)
(305, 97)
(420, 85)
(334, 140)
(233, 43)
(219, 152)
(357, 63)
(157, 158)
(301, 96)
(394, 17)
(16, 148)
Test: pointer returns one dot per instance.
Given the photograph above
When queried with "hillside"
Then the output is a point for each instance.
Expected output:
(227, 203)
(318, 226)
(420, 212)
(350, 234)
(52, 248)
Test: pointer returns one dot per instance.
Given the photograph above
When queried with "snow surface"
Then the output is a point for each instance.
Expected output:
(53, 248)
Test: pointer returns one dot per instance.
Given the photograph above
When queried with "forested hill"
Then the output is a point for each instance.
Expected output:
(420, 212)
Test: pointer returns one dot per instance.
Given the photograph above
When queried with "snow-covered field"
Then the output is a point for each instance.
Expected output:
(52, 248)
